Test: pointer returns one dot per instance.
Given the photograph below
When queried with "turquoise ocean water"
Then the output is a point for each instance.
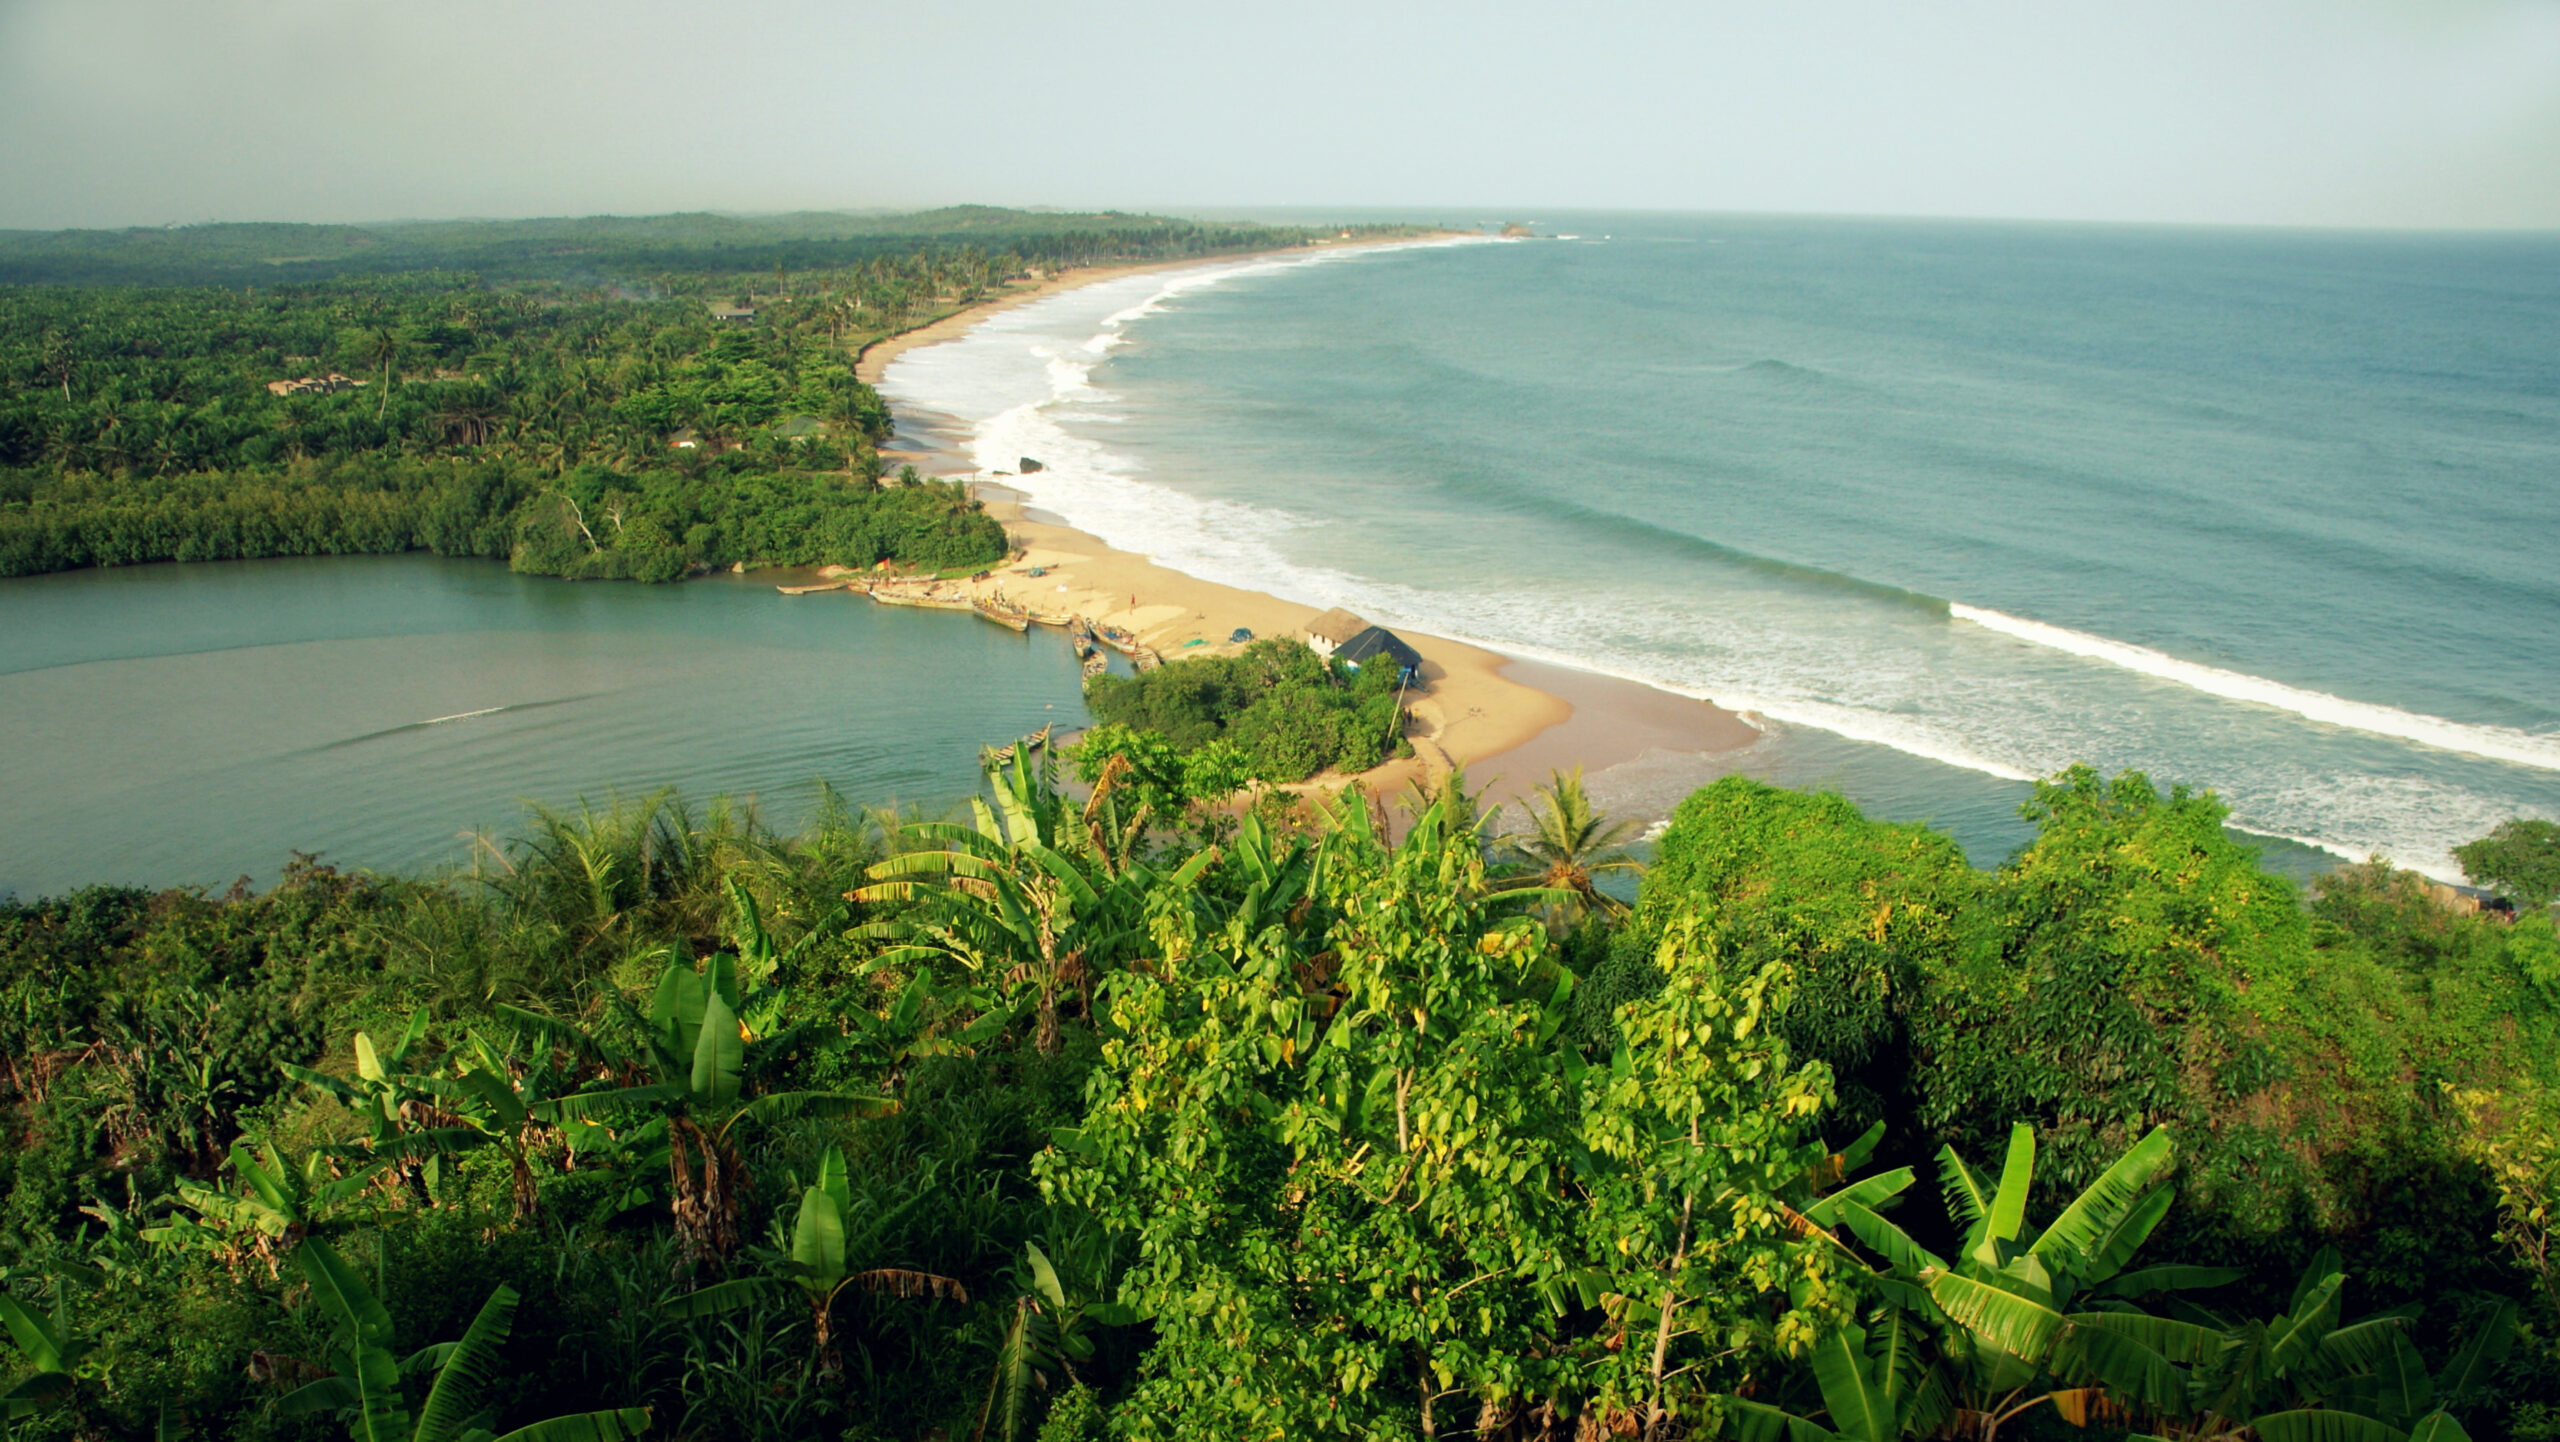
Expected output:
(1949, 505)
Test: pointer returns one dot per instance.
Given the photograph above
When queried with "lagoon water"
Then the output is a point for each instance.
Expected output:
(189, 724)
(1953, 505)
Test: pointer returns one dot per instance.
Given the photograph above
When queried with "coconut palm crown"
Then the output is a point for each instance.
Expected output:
(1569, 844)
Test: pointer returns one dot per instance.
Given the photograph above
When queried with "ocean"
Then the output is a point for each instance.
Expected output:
(1949, 506)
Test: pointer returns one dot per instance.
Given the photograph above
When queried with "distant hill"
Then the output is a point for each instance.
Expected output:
(590, 247)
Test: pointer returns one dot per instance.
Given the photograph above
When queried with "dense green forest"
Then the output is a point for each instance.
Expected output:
(557, 392)
(1135, 1115)
(605, 248)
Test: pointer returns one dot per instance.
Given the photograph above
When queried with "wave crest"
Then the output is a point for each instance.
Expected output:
(2496, 743)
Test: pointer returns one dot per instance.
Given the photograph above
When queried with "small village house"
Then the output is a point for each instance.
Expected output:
(327, 385)
(1378, 646)
(1331, 629)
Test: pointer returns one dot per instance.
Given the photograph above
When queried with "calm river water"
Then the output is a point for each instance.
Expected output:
(190, 724)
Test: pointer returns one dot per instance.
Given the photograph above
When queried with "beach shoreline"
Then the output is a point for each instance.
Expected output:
(1508, 722)
(873, 360)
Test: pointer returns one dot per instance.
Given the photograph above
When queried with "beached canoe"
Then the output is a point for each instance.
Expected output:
(927, 600)
(1012, 618)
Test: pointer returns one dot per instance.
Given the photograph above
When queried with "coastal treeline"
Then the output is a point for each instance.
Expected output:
(1116, 1114)
(609, 247)
(592, 523)
(149, 422)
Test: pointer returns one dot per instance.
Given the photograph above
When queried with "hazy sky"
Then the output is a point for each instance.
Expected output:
(2353, 112)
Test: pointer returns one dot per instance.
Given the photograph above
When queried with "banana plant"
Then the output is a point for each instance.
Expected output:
(2308, 1375)
(279, 1204)
(369, 1389)
(50, 1348)
(1047, 1332)
(403, 1116)
(696, 1053)
(383, 1088)
(817, 1262)
(1874, 1387)
(911, 1027)
(2020, 1307)
(1034, 894)
(1271, 878)
(118, 1252)
(761, 963)
(513, 1105)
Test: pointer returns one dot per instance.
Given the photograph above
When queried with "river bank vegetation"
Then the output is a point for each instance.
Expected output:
(1280, 710)
(608, 398)
(1120, 1116)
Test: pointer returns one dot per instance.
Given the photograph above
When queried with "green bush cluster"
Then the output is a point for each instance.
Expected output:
(2134, 967)
(1293, 713)
(1128, 1132)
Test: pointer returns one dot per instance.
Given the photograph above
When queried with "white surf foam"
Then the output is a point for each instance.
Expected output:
(2498, 743)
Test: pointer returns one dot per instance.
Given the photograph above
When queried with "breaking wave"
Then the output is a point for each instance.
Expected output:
(2496, 743)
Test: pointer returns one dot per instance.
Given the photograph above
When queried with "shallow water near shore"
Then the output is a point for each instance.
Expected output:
(190, 724)
(1955, 505)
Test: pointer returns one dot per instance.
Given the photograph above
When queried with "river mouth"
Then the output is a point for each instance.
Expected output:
(192, 724)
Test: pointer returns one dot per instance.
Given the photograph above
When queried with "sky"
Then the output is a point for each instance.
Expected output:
(2394, 113)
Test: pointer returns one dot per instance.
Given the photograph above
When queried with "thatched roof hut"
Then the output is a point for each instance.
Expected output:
(1331, 629)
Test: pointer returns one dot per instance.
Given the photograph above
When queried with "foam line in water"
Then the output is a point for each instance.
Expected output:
(408, 726)
(2497, 743)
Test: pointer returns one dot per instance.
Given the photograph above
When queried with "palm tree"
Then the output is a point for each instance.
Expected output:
(470, 417)
(382, 345)
(59, 359)
(1569, 844)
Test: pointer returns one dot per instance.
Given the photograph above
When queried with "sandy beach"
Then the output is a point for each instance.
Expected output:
(873, 362)
(1509, 722)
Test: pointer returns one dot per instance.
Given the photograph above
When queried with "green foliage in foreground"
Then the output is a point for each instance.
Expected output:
(1054, 1122)
(1290, 712)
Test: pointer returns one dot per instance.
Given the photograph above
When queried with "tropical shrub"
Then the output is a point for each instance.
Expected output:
(2521, 857)
(1289, 711)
